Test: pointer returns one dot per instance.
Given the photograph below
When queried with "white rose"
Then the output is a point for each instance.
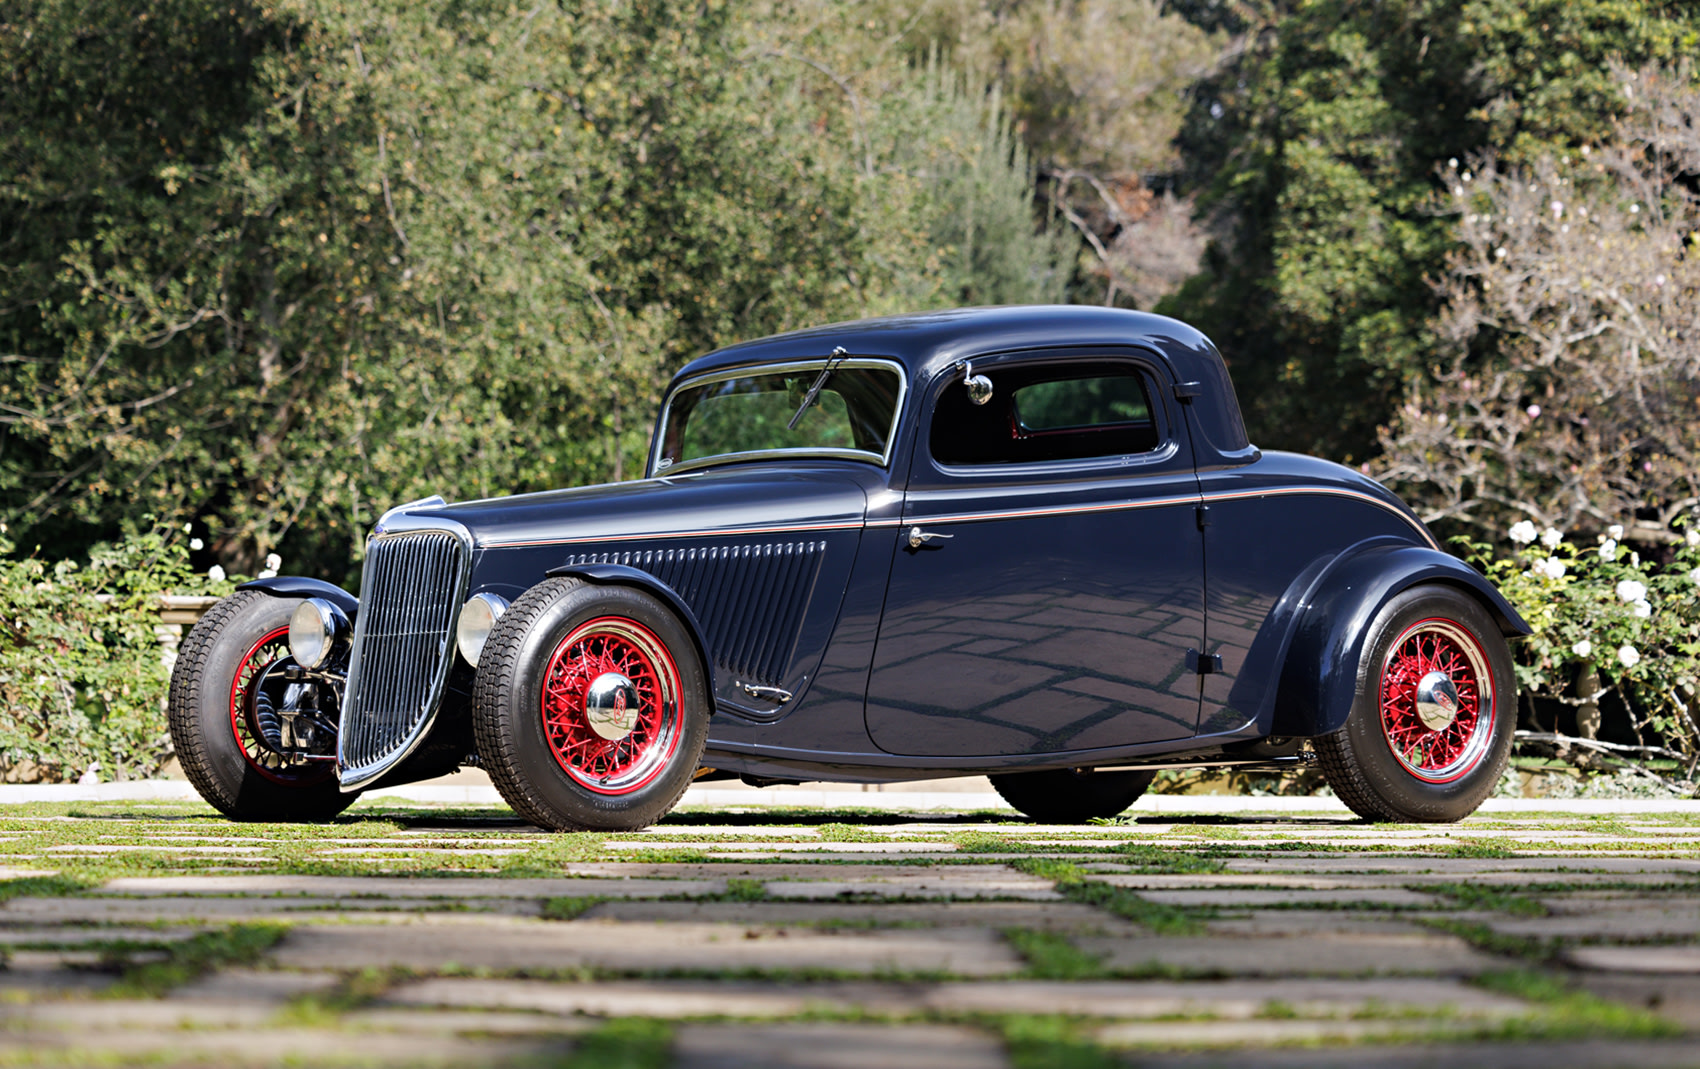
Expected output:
(1694, 577)
(195, 543)
(1628, 656)
(265, 573)
(274, 562)
(1693, 536)
(1583, 649)
(1630, 590)
(1552, 568)
(1608, 550)
(1643, 609)
(1615, 531)
(188, 527)
(1522, 532)
(216, 574)
(1551, 537)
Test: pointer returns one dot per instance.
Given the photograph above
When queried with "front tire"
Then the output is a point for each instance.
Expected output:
(1071, 796)
(590, 707)
(1430, 731)
(212, 711)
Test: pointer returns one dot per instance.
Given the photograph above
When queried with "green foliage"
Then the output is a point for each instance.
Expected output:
(1317, 149)
(279, 267)
(82, 679)
(1045, 1042)
(1603, 617)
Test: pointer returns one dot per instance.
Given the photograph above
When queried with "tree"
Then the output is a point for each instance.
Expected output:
(1568, 392)
(1315, 150)
(277, 268)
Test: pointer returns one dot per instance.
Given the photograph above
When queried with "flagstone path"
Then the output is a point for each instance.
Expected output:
(155, 933)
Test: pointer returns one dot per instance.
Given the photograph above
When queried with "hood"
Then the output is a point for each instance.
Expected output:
(727, 500)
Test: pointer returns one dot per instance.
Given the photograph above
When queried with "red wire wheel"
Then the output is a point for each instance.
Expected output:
(262, 656)
(610, 705)
(1437, 703)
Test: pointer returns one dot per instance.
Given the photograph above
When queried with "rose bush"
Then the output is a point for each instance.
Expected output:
(1606, 620)
(82, 676)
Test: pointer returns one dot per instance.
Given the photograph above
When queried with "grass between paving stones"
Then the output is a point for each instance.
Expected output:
(1150, 858)
(1072, 882)
(1526, 948)
(353, 991)
(1046, 1042)
(1566, 1013)
(237, 945)
(623, 1043)
(567, 908)
(1479, 896)
(1051, 956)
(54, 886)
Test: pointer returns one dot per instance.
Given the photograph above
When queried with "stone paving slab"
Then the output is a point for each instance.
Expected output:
(1331, 954)
(1578, 1054)
(40, 911)
(1250, 898)
(405, 886)
(1604, 923)
(834, 1046)
(646, 947)
(1046, 916)
(1131, 999)
(1638, 959)
(1243, 1033)
(1313, 922)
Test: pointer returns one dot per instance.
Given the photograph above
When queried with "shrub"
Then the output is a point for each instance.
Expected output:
(1606, 620)
(82, 676)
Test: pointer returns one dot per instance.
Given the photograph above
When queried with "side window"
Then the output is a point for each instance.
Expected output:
(1074, 411)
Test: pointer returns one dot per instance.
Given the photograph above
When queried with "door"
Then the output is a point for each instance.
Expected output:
(1047, 583)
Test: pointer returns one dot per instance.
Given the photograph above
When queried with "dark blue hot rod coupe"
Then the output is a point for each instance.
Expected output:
(1032, 543)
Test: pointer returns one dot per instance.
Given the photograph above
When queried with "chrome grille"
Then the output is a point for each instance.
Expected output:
(412, 586)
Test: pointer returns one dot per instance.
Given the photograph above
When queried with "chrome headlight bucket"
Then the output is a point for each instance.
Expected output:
(477, 619)
(314, 630)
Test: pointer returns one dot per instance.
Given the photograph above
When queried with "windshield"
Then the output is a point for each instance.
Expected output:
(745, 414)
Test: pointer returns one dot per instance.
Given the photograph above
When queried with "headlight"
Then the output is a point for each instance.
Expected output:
(313, 630)
(477, 617)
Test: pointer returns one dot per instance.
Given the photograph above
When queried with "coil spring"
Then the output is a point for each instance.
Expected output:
(268, 721)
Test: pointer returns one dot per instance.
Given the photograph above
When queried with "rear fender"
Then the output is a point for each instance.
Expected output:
(629, 576)
(1319, 677)
(299, 586)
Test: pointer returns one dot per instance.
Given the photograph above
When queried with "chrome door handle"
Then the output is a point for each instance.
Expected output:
(919, 538)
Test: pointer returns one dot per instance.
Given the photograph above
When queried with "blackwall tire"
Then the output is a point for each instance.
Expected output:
(557, 761)
(1068, 796)
(210, 717)
(1430, 730)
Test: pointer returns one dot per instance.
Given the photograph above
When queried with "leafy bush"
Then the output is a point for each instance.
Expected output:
(82, 677)
(1606, 620)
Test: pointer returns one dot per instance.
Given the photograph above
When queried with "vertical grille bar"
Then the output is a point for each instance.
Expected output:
(411, 588)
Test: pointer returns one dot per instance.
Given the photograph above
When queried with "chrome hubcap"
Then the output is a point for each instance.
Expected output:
(1437, 701)
(611, 706)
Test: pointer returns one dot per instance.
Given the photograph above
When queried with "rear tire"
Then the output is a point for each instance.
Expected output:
(1070, 796)
(211, 714)
(1430, 731)
(563, 758)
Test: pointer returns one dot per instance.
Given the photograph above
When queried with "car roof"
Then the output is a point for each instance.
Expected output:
(929, 342)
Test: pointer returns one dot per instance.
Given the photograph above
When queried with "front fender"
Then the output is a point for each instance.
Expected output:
(1319, 677)
(621, 573)
(299, 586)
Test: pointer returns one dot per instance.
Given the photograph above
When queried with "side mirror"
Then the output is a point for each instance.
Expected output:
(979, 386)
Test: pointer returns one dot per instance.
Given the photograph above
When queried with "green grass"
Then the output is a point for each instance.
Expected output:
(1148, 857)
(624, 1043)
(55, 886)
(240, 944)
(567, 908)
(1476, 896)
(1045, 1042)
(1053, 957)
(1567, 1013)
(1480, 936)
(1072, 882)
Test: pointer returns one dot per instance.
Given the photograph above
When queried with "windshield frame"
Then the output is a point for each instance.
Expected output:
(814, 364)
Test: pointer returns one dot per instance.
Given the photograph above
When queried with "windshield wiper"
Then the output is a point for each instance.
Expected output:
(832, 361)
